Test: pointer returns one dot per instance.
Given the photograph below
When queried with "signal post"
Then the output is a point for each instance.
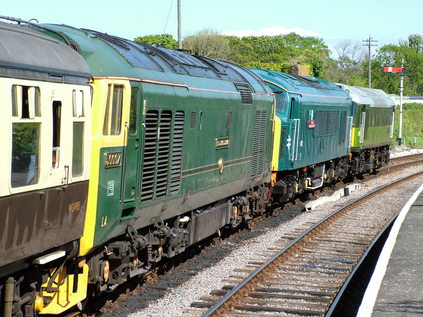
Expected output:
(399, 70)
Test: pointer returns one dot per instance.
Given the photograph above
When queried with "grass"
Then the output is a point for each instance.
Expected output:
(412, 125)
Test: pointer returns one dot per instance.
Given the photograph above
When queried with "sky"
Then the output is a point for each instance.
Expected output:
(387, 21)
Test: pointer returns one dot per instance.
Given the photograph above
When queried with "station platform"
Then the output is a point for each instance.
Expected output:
(396, 287)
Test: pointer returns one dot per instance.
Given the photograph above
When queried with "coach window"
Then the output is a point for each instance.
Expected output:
(113, 115)
(57, 122)
(26, 125)
(78, 103)
(78, 133)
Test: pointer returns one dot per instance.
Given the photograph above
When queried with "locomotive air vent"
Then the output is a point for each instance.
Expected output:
(163, 151)
(259, 137)
(150, 155)
(178, 134)
(245, 92)
(162, 160)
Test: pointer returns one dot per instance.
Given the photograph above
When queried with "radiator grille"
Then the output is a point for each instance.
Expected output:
(259, 137)
(178, 133)
(163, 153)
(161, 171)
(149, 161)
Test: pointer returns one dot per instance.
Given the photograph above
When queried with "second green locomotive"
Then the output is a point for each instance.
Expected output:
(312, 133)
(373, 119)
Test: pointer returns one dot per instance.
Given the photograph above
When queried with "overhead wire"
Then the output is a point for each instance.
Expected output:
(168, 15)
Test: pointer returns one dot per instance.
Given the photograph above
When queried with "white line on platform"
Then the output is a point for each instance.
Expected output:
(369, 299)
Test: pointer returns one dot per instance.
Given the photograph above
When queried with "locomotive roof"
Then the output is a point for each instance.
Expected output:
(306, 86)
(369, 96)
(114, 56)
(49, 59)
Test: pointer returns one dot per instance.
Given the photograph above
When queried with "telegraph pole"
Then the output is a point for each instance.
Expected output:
(369, 42)
(179, 26)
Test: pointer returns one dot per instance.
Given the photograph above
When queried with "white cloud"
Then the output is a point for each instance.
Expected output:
(271, 31)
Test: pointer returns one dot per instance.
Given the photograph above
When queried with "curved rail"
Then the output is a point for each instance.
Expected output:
(229, 301)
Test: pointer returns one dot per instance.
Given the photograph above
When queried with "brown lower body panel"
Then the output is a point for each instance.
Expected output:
(34, 222)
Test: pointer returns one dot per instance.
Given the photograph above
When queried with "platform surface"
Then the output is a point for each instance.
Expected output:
(398, 291)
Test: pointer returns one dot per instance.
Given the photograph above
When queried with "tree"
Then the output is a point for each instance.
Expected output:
(207, 43)
(161, 40)
(349, 65)
(280, 53)
(391, 55)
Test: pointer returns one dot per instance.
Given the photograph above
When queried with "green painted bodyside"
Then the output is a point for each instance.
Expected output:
(200, 169)
(202, 178)
(376, 129)
(299, 144)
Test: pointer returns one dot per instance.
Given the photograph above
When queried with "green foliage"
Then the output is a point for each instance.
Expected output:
(348, 68)
(207, 43)
(411, 51)
(284, 52)
(161, 40)
(412, 115)
(279, 53)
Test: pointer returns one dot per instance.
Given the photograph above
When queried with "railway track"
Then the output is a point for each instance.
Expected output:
(114, 300)
(308, 275)
(402, 162)
(415, 157)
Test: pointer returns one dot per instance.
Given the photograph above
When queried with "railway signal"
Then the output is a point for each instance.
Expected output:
(401, 71)
(393, 69)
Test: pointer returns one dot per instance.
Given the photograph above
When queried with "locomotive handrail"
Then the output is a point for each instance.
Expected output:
(19, 21)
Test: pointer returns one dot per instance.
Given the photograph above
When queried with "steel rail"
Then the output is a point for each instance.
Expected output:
(231, 298)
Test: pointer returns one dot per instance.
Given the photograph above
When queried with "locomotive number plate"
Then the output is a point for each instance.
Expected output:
(112, 159)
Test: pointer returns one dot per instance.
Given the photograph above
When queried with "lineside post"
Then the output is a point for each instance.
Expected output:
(401, 87)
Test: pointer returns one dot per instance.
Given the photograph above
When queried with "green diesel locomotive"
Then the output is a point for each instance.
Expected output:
(312, 133)
(181, 147)
(372, 131)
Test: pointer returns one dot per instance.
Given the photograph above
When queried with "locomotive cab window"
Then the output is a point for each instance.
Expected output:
(281, 98)
(113, 115)
(26, 126)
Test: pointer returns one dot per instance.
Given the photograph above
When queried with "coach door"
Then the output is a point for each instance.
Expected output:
(131, 159)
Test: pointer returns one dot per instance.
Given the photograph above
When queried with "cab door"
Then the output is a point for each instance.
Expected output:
(131, 159)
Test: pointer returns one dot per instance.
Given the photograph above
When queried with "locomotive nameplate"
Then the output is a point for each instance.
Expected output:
(222, 143)
(112, 159)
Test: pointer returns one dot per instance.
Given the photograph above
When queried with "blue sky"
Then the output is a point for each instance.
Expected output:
(387, 21)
